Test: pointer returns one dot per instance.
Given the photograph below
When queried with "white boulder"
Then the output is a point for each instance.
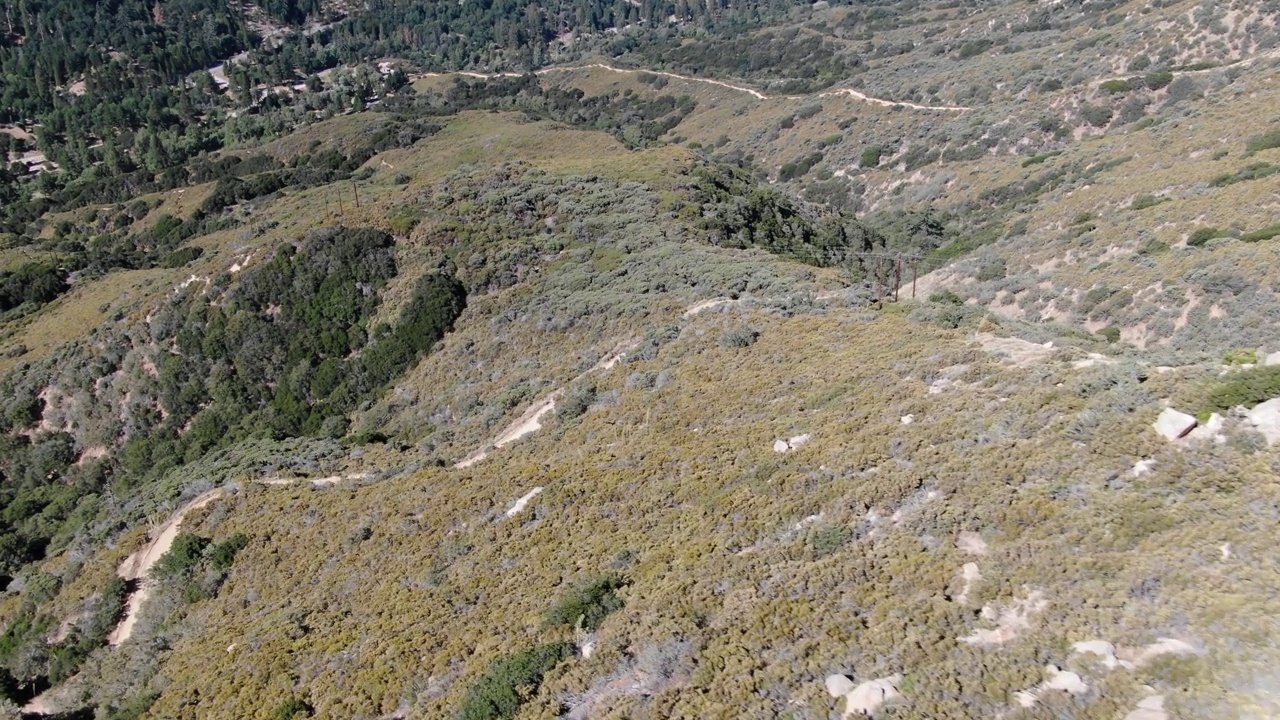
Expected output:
(780, 446)
(1151, 708)
(1266, 418)
(870, 695)
(1272, 359)
(1065, 680)
(839, 685)
(1172, 424)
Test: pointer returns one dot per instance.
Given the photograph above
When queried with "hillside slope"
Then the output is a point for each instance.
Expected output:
(580, 393)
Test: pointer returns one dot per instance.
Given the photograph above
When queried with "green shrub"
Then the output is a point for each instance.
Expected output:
(946, 297)
(1265, 141)
(508, 681)
(1115, 86)
(135, 708)
(974, 48)
(1247, 388)
(994, 270)
(576, 402)
(404, 220)
(1240, 357)
(828, 539)
(1110, 334)
(588, 604)
(181, 257)
(739, 337)
(1265, 233)
(224, 553)
(870, 156)
(1142, 202)
(292, 708)
(1038, 159)
(1096, 115)
(1204, 235)
(186, 553)
(1253, 171)
(1158, 79)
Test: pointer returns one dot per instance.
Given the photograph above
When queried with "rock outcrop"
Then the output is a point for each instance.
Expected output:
(1172, 424)
(1266, 419)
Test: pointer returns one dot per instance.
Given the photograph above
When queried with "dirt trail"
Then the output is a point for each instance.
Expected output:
(707, 81)
(138, 565)
(892, 103)
(530, 421)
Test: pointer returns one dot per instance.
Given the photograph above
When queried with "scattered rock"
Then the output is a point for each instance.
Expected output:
(1015, 351)
(1092, 360)
(1026, 698)
(839, 685)
(781, 446)
(1162, 646)
(908, 419)
(1010, 621)
(1064, 680)
(970, 574)
(971, 542)
(1172, 424)
(1143, 467)
(1151, 708)
(869, 696)
(1059, 679)
(1266, 418)
(1226, 551)
(1103, 649)
(522, 502)
(1211, 430)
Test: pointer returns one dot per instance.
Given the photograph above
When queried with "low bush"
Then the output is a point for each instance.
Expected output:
(589, 604)
(1265, 141)
(1115, 86)
(503, 688)
(1096, 115)
(1246, 387)
(1142, 202)
(1158, 80)
(739, 337)
(1203, 235)
(1240, 357)
(1265, 233)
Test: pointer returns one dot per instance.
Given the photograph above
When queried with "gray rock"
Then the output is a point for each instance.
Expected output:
(1266, 418)
(1172, 424)
(1211, 430)
(1272, 359)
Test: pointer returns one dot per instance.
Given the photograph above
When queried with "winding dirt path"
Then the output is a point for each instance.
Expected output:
(137, 567)
(707, 81)
(530, 421)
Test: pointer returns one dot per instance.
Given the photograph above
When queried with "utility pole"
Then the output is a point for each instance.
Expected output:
(914, 263)
(897, 279)
(356, 190)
